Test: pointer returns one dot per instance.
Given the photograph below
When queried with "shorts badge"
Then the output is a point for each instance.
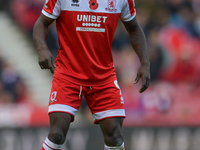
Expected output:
(53, 97)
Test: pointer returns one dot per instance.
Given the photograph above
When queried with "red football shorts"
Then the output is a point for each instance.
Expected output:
(104, 101)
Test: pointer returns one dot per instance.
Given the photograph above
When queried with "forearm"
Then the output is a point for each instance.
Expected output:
(40, 34)
(138, 42)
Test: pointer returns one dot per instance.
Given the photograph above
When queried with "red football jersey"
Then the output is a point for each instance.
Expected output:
(85, 33)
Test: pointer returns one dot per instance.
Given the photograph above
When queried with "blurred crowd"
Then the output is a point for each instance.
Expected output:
(173, 38)
(12, 87)
(172, 29)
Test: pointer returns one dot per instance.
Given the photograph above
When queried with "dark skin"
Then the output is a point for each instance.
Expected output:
(138, 42)
(40, 34)
(136, 36)
(111, 127)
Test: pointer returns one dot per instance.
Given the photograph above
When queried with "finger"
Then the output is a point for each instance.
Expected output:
(52, 69)
(50, 66)
(47, 64)
(145, 84)
(53, 63)
(41, 65)
(44, 64)
(143, 88)
(137, 79)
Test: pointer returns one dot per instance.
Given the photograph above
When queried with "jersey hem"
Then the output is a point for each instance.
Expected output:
(88, 83)
(129, 19)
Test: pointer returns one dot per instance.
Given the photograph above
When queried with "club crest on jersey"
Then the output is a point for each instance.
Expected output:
(111, 5)
(93, 4)
(53, 97)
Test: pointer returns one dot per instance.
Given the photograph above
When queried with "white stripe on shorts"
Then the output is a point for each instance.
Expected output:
(109, 113)
(62, 108)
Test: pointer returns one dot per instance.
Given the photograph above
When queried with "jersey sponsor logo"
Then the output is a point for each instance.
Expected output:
(90, 29)
(75, 3)
(92, 18)
(90, 21)
(111, 5)
(93, 4)
(53, 97)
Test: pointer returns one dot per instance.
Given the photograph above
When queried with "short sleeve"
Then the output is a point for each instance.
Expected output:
(128, 10)
(52, 8)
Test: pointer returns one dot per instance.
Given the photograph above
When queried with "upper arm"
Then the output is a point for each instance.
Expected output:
(128, 15)
(46, 21)
(51, 10)
(40, 29)
(131, 25)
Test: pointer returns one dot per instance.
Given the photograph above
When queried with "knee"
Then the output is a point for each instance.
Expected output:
(112, 131)
(114, 139)
(57, 137)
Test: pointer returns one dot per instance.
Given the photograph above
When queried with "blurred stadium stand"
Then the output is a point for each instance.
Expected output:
(19, 52)
(90, 138)
(165, 117)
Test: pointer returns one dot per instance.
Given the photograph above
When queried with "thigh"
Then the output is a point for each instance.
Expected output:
(60, 121)
(64, 97)
(105, 101)
(111, 125)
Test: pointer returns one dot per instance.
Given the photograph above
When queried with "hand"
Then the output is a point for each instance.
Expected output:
(144, 73)
(46, 60)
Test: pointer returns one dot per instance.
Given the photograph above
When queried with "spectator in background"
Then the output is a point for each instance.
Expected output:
(26, 12)
(12, 88)
(4, 5)
(172, 30)
(156, 54)
(120, 38)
